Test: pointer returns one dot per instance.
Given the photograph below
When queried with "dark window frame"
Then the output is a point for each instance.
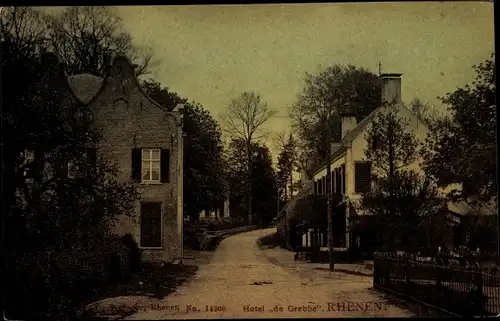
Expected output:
(358, 189)
(153, 244)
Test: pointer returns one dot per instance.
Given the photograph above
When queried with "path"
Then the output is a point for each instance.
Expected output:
(225, 288)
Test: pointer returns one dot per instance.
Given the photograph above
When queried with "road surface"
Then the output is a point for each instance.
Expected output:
(241, 282)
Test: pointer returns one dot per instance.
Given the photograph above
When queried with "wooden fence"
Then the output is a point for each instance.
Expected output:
(463, 291)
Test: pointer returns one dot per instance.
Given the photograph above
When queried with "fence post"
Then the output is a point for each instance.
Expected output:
(438, 278)
(477, 296)
(387, 271)
(407, 270)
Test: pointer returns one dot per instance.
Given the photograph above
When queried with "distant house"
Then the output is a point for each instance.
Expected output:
(286, 214)
(468, 216)
(220, 212)
(144, 141)
(351, 174)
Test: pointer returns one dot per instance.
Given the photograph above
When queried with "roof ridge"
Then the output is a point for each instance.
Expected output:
(360, 125)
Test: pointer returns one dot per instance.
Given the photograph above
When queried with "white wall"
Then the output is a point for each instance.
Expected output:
(335, 164)
(359, 145)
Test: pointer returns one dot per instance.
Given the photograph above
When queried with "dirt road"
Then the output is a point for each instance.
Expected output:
(240, 282)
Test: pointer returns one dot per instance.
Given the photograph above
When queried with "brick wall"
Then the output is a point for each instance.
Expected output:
(129, 119)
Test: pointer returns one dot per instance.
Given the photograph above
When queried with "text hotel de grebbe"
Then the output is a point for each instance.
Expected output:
(336, 306)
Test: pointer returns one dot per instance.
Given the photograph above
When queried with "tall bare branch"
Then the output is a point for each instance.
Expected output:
(245, 117)
(83, 36)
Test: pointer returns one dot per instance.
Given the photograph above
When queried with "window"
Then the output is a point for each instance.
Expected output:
(342, 179)
(151, 165)
(339, 183)
(334, 179)
(344, 183)
(362, 174)
(151, 225)
(29, 157)
(332, 184)
(339, 226)
(316, 188)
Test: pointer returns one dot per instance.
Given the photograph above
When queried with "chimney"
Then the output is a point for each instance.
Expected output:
(348, 121)
(391, 88)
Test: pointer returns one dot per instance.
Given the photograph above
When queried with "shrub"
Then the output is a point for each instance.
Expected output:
(55, 283)
(133, 251)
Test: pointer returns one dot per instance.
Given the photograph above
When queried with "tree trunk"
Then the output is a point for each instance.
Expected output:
(249, 196)
(392, 167)
(329, 206)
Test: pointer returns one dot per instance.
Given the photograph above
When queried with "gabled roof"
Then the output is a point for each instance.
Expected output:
(85, 86)
(352, 134)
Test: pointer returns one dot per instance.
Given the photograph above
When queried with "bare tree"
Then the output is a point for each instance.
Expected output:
(83, 36)
(428, 113)
(244, 119)
(25, 28)
(279, 140)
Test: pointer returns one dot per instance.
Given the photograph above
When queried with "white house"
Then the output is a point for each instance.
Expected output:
(351, 174)
(220, 212)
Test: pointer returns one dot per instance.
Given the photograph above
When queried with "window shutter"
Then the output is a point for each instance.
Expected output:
(337, 171)
(92, 157)
(165, 165)
(362, 174)
(331, 182)
(151, 224)
(342, 171)
(334, 178)
(136, 164)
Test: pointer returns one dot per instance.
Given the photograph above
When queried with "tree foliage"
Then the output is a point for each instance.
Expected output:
(428, 113)
(391, 145)
(162, 95)
(243, 122)
(83, 36)
(287, 161)
(80, 36)
(263, 180)
(205, 180)
(54, 222)
(205, 172)
(405, 205)
(406, 211)
(24, 28)
(462, 147)
(316, 113)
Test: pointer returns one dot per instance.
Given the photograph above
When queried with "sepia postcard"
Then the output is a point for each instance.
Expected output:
(325, 160)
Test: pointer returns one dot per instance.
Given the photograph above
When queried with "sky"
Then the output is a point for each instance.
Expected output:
(213, 53)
